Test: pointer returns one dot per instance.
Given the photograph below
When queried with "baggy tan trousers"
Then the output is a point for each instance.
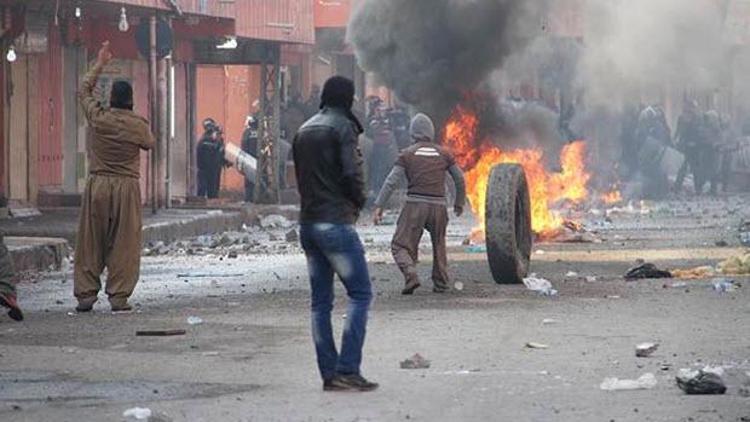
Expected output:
(414, 219)
(109, 235)
(7, 275)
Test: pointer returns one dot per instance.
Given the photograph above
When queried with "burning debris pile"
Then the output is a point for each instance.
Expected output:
(477, 154)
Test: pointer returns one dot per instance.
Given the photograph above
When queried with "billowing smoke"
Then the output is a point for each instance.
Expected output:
(433, 52)
(643, 48)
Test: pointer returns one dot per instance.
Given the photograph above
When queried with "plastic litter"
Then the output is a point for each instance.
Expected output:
(645, 350)
(194, 320)
(704, 381)
(645, 382)
(476, 249)
(137, 414)
(693, 273)
(540, 285)
(549, 321)
(724, 285)
(415, 362)
(646, 270)
(736, 265)
(533, 345)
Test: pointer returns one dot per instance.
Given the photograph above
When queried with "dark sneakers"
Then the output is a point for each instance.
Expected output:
(353, 382)
(10, 302)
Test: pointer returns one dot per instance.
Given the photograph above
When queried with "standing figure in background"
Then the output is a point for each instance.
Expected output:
(710, 156)
(399, 120)
(250, 146)
(210, 157)
(652, 136)
(383, 149)
(109, 231)
(689, 136)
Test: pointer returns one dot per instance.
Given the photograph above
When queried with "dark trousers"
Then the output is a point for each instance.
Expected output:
(209, 183)
(336, 249)
(415, 218)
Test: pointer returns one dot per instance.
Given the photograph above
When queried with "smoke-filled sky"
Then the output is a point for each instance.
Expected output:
(432, 51)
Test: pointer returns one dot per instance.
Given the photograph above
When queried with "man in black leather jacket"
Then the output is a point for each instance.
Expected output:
(330, 181)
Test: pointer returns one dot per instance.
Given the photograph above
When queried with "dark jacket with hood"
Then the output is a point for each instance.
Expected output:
(328, 165)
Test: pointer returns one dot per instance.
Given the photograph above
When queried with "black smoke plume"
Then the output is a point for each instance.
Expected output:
(433, 52)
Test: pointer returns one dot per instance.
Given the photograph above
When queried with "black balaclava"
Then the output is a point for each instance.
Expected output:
(338, 92)
(122, 96)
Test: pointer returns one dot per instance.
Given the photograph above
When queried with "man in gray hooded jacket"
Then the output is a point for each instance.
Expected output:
(424, 165)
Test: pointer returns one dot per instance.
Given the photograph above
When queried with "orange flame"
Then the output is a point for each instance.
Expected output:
(545, 188)
(612, 197)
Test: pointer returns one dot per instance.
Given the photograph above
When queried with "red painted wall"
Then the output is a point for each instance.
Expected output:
(50, 106)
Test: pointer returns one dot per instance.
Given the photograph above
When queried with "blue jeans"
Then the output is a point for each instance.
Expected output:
(336, 248)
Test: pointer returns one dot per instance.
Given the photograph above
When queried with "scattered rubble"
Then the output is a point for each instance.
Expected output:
(137, 414)
(275, 221)
(646, 270)
(645, 350)
(540, 285)
(744, 233)
(645, 382)
(703, 381)
(292, 236)
(459, 286)
(194, 320)
(533, 345)
(724, 285)
(415, 362)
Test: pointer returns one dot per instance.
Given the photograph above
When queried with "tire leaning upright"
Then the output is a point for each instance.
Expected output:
(508, 224)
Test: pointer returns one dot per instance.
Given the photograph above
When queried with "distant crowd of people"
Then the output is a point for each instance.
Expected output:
(710, 147)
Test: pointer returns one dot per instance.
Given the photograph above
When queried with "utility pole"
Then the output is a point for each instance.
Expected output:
(153, 114)
(267, 176)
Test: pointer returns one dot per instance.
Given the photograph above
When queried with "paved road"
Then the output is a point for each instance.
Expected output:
(252, 358)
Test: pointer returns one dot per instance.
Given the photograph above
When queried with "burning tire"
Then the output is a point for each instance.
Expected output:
(508, 224)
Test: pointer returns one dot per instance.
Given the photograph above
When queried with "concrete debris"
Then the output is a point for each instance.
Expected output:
(549, 321)
(194, 320)
(539, 285)
(744, 233)
(275, 221)
(591, 279)
(702, 381)
(137, 414)
(210, 275)
(645, 350)
(645, 382)
(458, 286)
(646, 270)
(415, 362)
(292, 236)
(571, 274)
(533, 345)
(676, 285)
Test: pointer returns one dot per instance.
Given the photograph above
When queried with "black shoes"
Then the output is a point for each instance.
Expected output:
(84, 307)
(353, 382)
(14, 311)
